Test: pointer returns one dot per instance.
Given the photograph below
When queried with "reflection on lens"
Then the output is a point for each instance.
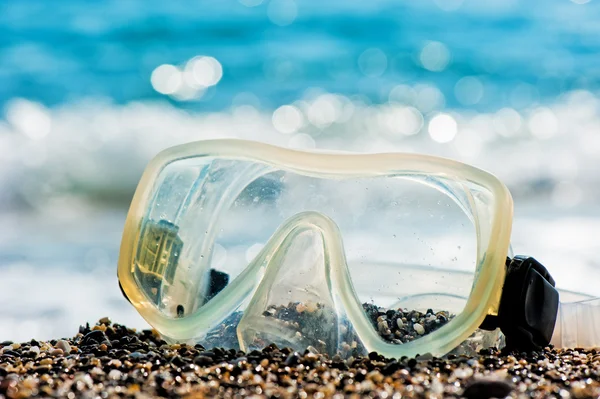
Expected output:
(157, 257)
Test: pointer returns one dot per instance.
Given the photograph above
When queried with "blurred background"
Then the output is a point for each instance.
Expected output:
(90, 91)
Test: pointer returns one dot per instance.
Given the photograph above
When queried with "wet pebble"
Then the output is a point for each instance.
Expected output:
(94, 337)
(203, 360)
(419, 328)
(487, 388)
(64, 346)
(137, 355)
(114, 374)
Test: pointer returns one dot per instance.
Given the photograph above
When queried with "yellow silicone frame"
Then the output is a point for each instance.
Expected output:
(491, 253)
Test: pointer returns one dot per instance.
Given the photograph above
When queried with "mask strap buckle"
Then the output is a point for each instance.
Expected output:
(528, 306)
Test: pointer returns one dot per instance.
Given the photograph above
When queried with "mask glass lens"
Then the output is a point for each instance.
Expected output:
(409, 244)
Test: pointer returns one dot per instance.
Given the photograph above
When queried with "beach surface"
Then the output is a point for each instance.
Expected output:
(110, 360)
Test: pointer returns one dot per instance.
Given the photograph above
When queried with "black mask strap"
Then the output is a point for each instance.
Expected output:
(528, 306)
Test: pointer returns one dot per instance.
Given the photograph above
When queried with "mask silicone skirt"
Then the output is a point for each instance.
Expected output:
(239, 250)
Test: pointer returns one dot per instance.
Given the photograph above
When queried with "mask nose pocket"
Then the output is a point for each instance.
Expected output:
(294, 306)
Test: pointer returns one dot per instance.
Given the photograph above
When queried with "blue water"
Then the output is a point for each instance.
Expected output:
(80, 119)
(61, 53)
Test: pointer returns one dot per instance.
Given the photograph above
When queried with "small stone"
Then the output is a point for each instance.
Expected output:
(203, 360)
(46, 361)
(56, 352)
(104, 320)
(114, 374)
(419, 328)
(94, 337)
(462, 373)
(487, 388)
(400, 323)
(101, 327)
(293, 359)
(300, 308)
(85, 378)
(270, 312)
(382, 326)
(311, 307)
(34, 351)
(8, 385)
(64, 346)
(137, 355)
(375, 376)
(43, 368)
(436, 387)
(391, 367)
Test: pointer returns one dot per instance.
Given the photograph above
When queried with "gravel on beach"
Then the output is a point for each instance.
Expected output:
(109, 360)
(396, 326)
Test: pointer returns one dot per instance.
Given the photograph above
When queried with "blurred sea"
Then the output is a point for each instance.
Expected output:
(90, 91)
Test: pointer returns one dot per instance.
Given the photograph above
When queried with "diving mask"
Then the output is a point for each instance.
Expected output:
(241, 244)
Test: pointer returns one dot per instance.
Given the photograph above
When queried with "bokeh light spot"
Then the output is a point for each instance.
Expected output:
(166, 79)
(406, 121)
(372, 62)
(429, 98)
(543, 123)
(468, 90)
(287, 119)
(30, 118)
(402, 94)
(442, 128)
(202, 71)
(282, 12)
(324, 110)
(253, 250)
(435, 56)
(507, 122)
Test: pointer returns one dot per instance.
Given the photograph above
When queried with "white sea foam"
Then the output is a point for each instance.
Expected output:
(99, 149)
